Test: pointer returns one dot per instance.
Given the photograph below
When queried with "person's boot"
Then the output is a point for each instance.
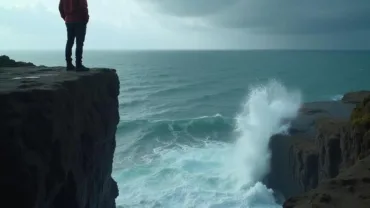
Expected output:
(70, 66)
(81, 67)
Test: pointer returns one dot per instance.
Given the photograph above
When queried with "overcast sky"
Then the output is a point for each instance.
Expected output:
(193, 24)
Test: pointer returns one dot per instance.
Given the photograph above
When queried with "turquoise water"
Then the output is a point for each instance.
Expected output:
(195, 125)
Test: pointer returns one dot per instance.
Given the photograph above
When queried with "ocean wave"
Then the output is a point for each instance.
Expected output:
(170, 133)
(176, 173)
(199, 125)
(181, 88)
(134, 102)
(217, 95)
(136, 88)
(337, 97)
(172, 89)
(188, 177)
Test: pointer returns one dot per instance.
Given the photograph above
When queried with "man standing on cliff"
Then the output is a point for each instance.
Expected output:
(75, 13)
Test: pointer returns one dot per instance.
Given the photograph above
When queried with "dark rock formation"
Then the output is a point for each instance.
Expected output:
(57, 134)
(356, 144)
(343, 162)
(295, 164)
(330, 133)
(351, 188)
(5, 61)
(355, 97)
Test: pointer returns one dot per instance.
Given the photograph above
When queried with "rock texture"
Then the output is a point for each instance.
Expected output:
(57, 134)
(5, 61)
(328, 139)
(343, 162)
(296, 165)
(351, 188)
(355, 97)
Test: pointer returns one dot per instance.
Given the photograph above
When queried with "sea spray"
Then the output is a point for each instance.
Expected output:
(264, 114)
(218, 173)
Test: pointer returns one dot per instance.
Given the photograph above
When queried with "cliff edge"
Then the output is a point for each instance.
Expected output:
(295, 163)
(340, 165)
(57, 136)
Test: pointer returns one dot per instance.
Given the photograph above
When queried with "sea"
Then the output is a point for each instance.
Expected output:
(195, 125)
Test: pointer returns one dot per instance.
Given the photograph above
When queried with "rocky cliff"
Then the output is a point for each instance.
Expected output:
(295, 163)
(331, 162)
(57, 137)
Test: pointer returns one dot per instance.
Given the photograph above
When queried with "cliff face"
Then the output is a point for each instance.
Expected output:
(58, 137)
(351, 188)
(343, 162)
(297, 164)
(317, 147)
(330, 134)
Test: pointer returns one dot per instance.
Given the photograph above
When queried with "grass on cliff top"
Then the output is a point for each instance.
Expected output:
(361, 114)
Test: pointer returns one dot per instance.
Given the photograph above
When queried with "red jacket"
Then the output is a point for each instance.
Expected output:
(74, 10)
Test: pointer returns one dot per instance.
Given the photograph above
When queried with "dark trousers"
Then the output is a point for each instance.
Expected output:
(75, 31)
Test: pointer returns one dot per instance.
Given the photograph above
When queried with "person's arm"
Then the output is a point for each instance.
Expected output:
(61, 9)
(85, 10)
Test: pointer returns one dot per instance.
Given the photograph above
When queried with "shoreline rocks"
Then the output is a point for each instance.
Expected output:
(5, 61)
(295, 164)
(325, 162)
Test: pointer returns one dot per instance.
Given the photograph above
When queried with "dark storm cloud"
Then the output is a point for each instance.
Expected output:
(283, 16)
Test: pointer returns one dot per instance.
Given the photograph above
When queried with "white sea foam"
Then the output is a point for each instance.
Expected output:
(337, 97)
(217, 174)
(263, 115)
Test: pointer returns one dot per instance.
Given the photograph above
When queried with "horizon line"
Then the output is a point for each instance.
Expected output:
(205, 50)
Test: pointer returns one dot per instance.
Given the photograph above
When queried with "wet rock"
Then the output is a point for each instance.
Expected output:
(297, 164)
(355, 97)
(344, 156)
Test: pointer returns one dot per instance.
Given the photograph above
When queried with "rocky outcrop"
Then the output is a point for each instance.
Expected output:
(330, 134)
(296, 163)
(5, 61)
(57, 137)
(351, 188)
(356, 144)
(355, 97)
(343, 162)
(303, 157)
